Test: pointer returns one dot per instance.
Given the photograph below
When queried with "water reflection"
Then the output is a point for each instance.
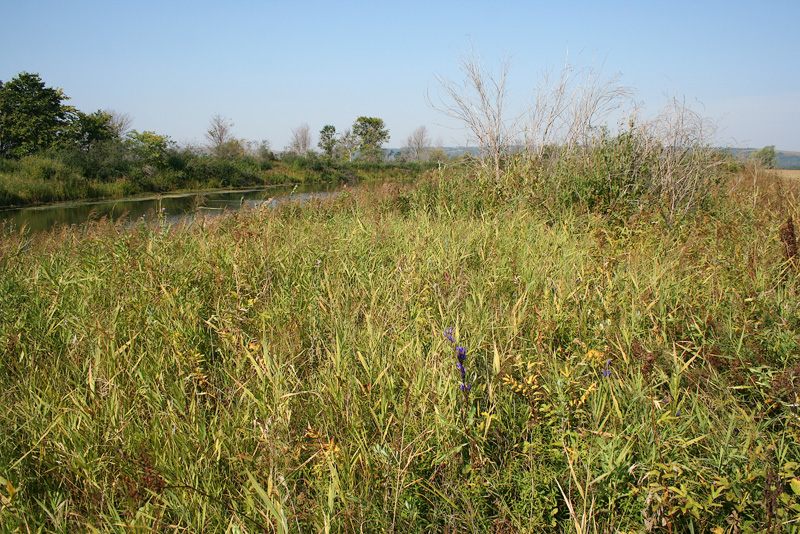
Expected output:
(177, 207)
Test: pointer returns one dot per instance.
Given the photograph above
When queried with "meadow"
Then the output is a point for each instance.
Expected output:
(787, 174)
(454, 355)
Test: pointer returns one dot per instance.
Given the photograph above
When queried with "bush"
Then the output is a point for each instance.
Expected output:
(106, 161)
(309, 162)
(45, 167)
(221, 172)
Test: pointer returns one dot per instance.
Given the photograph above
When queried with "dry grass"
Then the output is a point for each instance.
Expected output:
(787, 174)
(776, 190)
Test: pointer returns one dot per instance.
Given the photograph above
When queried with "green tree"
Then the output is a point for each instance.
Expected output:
(371, 133)
(767, 157)
(327, 140)
(150, 148)
(86, 131)
(32, 116)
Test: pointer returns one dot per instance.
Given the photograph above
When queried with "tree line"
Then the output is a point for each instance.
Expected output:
(35, 118)
(50, 150)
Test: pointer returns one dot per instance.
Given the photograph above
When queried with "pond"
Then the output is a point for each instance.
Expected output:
(177, 207)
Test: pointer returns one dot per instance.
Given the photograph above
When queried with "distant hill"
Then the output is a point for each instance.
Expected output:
(786, 159)
(450, 151)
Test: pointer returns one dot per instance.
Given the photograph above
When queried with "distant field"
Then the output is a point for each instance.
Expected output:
(785, 173)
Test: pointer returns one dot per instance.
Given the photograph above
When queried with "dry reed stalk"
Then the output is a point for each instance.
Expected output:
(789, 240)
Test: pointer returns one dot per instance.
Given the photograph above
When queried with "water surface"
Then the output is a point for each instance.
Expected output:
(176, 207)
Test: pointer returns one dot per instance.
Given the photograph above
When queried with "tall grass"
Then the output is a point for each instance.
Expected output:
(63, 175)
(291, 370)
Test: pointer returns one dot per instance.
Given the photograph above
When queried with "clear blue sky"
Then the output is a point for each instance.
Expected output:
(270, 66)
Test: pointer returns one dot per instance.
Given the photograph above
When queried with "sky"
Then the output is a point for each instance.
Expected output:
(270, 66)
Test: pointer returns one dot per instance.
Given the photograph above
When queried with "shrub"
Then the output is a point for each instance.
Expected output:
(106, 161)
(45, 167)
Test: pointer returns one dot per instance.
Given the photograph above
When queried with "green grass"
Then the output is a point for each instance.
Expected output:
(287, 370)
(60, 176)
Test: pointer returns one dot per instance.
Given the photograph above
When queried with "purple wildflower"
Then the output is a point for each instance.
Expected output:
(607, 371)
(461, 354)
(449, 335)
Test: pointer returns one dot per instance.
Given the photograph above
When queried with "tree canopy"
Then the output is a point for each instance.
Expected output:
(88, 130)
(32, 115)
(150, 147)
(371, 133)
(767, 157)
(327, 139)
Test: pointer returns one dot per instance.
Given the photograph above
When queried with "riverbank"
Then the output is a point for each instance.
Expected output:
(42, 179)
(175, 207)
(419, 358)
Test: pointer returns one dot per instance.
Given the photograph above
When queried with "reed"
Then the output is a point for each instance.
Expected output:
(294, 370)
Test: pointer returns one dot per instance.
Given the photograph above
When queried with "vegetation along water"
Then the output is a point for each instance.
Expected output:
(576, 336)
(175, 207)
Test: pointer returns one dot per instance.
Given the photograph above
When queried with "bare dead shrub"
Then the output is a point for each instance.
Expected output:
(569, 110)
(569, 152)
(418, 144)
(682, 139)
(480, 103)
(300, 142)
